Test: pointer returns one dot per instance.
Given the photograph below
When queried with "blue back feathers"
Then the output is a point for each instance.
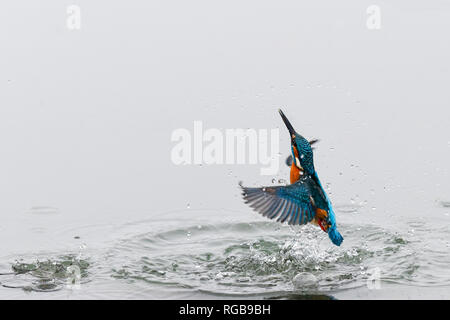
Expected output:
(333, 233)
(305, 154)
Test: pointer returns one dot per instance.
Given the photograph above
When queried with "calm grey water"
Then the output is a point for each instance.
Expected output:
(91, 205)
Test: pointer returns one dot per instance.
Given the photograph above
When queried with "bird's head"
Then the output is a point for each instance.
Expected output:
(302, 154)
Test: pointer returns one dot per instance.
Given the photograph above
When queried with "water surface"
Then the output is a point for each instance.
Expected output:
(224, 254)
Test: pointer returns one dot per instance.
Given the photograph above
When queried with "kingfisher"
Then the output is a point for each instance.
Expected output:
(304, 200)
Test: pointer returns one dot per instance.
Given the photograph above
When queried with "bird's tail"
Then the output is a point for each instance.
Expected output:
(333, 233)
(335, 236)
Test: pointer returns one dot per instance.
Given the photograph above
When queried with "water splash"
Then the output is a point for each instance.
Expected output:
(248, 258)
(222, 259)
(45, 275)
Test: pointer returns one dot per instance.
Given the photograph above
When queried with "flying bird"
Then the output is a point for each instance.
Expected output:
(304, 200)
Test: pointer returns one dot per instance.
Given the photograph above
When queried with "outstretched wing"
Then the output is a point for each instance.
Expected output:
(290, 203)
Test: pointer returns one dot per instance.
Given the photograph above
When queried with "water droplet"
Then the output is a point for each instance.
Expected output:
(304, 281)
(188, 206)
(219, 276)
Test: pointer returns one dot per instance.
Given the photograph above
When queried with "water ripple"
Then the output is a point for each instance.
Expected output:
(253, 257)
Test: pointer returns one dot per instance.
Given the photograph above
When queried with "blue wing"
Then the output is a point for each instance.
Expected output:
(290, 203)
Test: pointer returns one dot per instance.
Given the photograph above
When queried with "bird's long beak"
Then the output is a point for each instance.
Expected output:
(287, 123)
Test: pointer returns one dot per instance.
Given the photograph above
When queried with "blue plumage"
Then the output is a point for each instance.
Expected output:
(304, 200)
(287, 203)
(333, 233)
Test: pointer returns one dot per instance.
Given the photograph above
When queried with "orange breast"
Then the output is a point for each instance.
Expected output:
(319, 219)
(321, 214)
(295, 171)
